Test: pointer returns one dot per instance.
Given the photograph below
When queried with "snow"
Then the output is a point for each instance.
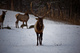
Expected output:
(57, 37)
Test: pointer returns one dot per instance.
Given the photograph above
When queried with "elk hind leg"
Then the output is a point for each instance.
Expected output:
(26, 25)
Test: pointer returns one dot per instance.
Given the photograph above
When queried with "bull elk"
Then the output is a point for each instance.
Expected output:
(2, 18)
(39, 26)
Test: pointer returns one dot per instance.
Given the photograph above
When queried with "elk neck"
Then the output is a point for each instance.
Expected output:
(39, 25)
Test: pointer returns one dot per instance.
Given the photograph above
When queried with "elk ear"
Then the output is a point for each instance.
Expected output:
(36, 18)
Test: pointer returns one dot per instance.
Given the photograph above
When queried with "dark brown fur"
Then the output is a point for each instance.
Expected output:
(2, 18)
(23, 18)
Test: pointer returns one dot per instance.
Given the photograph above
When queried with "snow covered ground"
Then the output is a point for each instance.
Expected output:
(57, 37)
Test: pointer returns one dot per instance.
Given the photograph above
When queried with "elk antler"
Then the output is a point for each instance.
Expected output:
(32, 10)
(47, 11)
(44, 14)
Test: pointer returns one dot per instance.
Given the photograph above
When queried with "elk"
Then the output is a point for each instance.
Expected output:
(23, 18)
(39, 26)
(2, 17)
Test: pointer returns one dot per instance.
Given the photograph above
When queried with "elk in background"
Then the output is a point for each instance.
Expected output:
(23, 18)
(39, 26)
(2, 17)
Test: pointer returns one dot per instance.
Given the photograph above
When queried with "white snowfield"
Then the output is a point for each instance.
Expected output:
(57, 37)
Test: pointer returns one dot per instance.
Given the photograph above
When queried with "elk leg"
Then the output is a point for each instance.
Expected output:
(23, 22)
(40, 40)
(2, 26)
(41, 35)
(17, 24)
(37, 38)
(21, 26)
(26, 25)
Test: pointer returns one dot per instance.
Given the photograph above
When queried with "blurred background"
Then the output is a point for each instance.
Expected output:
(61, 10)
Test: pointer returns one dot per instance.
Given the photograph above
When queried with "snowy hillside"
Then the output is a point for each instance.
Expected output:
(57, 37)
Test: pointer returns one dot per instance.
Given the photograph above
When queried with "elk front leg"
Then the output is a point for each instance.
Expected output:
(37, 38)
(41, 37)
(17, 24)
(22, 24)
(1, 25)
